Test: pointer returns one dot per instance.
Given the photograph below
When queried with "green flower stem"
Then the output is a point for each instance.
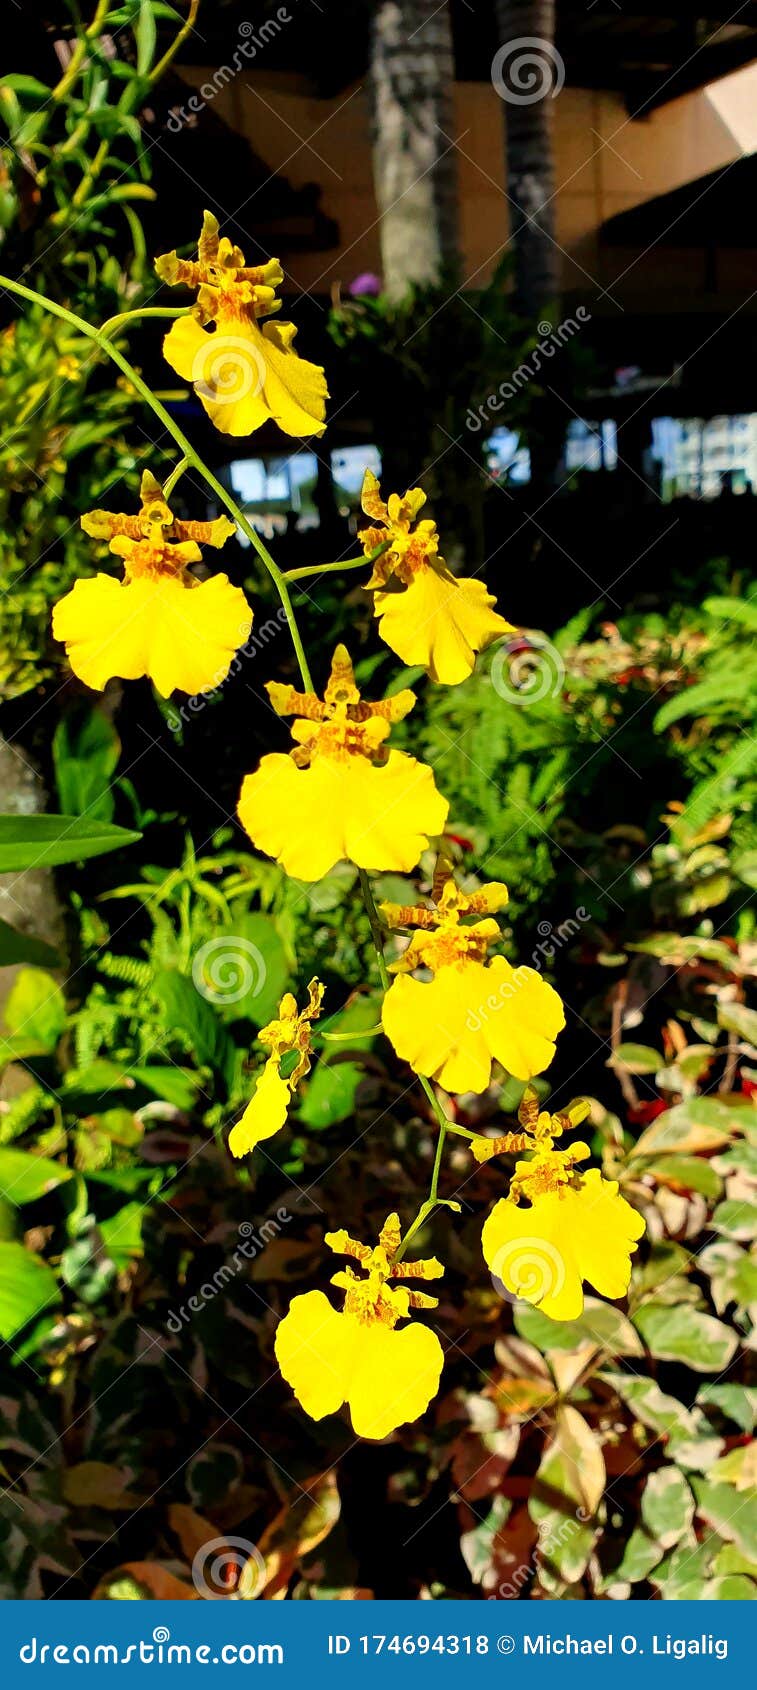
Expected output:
(332, 568)
(194, 461)
(176, 474)
(117, 322)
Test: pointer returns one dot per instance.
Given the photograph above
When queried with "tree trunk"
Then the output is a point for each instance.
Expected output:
(527, 74)
(410, 87)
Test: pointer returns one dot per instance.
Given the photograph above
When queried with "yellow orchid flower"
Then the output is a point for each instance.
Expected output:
(472, 1011)
(159, 621)
(341, 793)
(242, 374)
(426, 614)
(385, 1376)
(576, 1226)
(267, 1109)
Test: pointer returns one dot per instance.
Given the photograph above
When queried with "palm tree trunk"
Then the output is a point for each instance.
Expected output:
(410, 88)
(526, 73)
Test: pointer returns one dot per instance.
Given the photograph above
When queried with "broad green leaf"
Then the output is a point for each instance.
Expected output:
(729, 1559)
(24, 1177)
(640, 1555)
(733, 1514)
(330, 1094)
(736, 1402)
(649, 1404)
(600, 1324)
(86, 749)
(103, 1084)
(44, 841)
(36, 1008)
(188, 1014)
(699, 1124)
(244, 972)
(742, 1154)
(23, 947)
(122, 1234)
(687, 1335)
(733, 1274)
(477, 1545)
(666, 1261)
(28, 1287)
(667, 1506)
(693, 1173)
(564, 1499)
(733, 1588)
(684, 1570)
(738, 1019)
(736, 1219)
(636, 1059)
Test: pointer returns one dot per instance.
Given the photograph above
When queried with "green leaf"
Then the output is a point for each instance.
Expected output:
(735, 1588)
(478, 1545)
(736, 1402)
(44, 841)
(736, 1219)
(189, 1014)
(36, 1008)
(637, 1059)
(122, 1235)
(737, 1018)
(649, 1404)
(330, 1094)
(86, 749)
(146, 36)
(244, 973)
(640, 1555)
(730, 1560)
(564, 1499)
(667, 1506)
(699, 1124)
(23, 947)
(27, 1287)
(733, 1514)
(733, 1274)
(683, 1572)
(691, 1172)
(687, 1335)
(26, 85)
(600, 1324)
(24, 1177)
